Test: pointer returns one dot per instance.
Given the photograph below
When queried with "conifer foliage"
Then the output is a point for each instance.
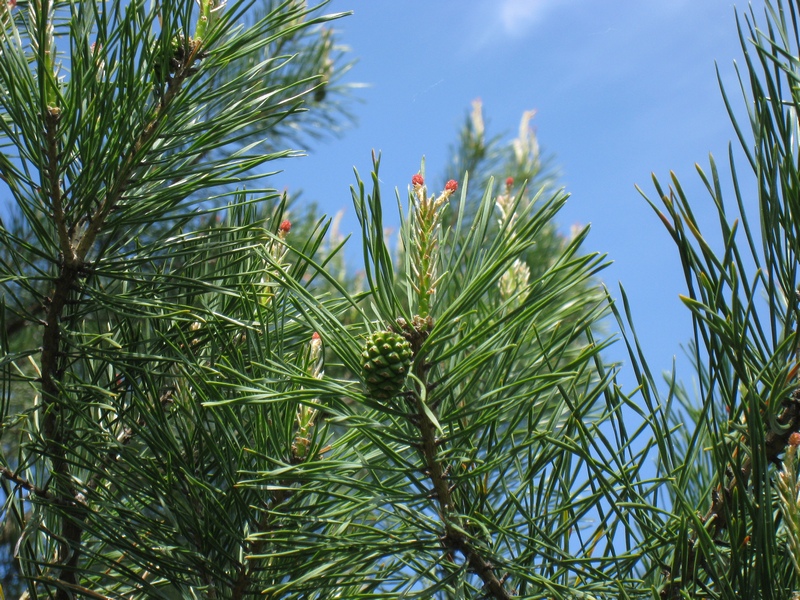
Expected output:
(728, 450)
(131, 275)
(194, 405)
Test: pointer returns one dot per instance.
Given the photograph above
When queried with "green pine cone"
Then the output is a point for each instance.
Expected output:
(386, 360)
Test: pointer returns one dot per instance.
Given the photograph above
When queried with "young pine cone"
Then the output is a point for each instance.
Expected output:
(386, 360)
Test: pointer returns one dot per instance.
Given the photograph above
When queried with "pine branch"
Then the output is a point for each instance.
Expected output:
(55, 194)
(246, 572)
(124, 439)
(775, 443)
(133, 160)
(55, 435)
(72, 588)
(454, 538)
(72, 266)
(115, 155)
(25, 484)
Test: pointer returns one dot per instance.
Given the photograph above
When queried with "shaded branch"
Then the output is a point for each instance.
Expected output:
(25, 484)
(247, 570)
(18, 324)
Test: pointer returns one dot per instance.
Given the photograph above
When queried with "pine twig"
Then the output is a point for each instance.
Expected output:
(25, 484)
(454, 538)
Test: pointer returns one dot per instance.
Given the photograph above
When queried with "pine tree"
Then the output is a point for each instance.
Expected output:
(188, 391)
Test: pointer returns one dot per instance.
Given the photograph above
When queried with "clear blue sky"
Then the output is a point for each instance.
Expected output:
(622, 89)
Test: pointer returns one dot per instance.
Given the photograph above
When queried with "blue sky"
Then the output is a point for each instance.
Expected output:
(621, 89)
